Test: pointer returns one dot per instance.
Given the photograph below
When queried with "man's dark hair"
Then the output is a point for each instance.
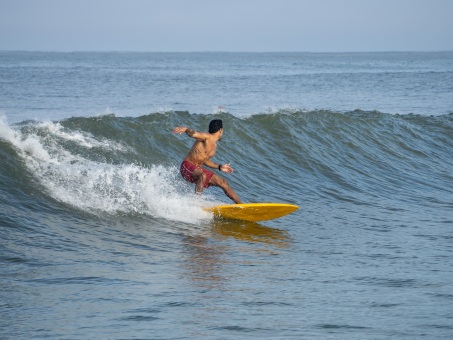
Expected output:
(215, 125)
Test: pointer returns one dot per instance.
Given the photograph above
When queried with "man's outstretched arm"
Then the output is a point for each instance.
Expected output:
(190, 132)
(182, 129)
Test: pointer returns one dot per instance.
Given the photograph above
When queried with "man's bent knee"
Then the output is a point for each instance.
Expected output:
(219, 181)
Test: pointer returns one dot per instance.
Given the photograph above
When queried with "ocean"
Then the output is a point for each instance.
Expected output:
(101, 238)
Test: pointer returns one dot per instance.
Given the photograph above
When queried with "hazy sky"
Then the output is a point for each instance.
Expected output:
(227, 25)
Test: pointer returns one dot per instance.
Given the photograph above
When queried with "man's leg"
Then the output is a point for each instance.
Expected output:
(200, 178)
(220, 182)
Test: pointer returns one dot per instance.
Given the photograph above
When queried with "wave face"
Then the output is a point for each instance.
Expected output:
(118, 165)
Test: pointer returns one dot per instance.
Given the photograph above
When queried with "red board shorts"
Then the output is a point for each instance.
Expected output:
(187, 170)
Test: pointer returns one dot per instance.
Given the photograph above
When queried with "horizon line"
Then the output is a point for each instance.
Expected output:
(222, 51)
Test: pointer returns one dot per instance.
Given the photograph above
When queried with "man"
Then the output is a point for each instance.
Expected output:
(200, 154)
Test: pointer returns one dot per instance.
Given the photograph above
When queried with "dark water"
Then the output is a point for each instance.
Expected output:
(101, 237)
(38, 85)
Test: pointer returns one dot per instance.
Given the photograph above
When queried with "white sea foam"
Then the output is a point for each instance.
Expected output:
(84, 139)
(29, 146)
(101, 187)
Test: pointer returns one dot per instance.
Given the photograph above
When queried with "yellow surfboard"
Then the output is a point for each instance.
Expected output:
(254, 212)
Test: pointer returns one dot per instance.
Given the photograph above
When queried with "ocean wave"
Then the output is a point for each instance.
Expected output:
(130, 165)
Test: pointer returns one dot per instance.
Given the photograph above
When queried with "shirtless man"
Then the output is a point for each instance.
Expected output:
(201, 153)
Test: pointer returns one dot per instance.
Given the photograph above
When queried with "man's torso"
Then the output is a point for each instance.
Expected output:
(201, 151)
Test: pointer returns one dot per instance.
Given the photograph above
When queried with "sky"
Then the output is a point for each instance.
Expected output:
(226, 25)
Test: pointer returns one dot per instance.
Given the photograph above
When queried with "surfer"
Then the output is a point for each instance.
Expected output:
(200, 154)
